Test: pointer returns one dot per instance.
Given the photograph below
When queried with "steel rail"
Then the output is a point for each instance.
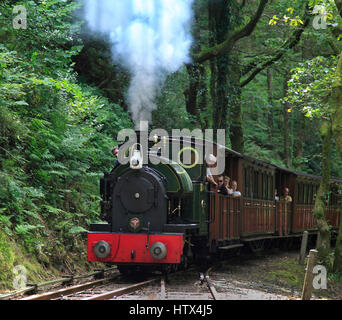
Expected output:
(211, 287)
(121, 291)
(68, 291)
(162, 289)
(66, 280)
(16, 293)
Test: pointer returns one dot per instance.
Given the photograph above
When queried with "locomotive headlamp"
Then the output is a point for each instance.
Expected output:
(102, 249)
(158, 251)
(136, 158)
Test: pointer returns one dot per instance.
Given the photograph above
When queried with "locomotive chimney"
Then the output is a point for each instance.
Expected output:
(141, 126)
(141, 131)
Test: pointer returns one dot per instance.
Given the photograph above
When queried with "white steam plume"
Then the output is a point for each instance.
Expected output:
(149, 37)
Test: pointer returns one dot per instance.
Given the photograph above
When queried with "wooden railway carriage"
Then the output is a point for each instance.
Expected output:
(169, 208)
(257, 216)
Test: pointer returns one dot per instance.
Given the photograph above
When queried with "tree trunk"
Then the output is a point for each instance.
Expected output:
(269, 113)
(226, 75)
(194, 70)
(219, 22)
(299, 141)
(192, 92)
(336, 106)
(202, 115)
(234, 90)
(287, 156)
(338, 247)
(323, 245)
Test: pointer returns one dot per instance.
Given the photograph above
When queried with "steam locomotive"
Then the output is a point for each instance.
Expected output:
(164, 214)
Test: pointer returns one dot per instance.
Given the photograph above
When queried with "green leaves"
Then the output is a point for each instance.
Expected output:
(310, 86)
(56, 134)
(76, 230)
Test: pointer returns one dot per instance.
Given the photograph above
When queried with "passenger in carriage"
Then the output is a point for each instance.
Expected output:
(221, 187)
(287, 196)
(211, 162)
(115, 152)
(226, 184)
(236, 193)
(276, 197)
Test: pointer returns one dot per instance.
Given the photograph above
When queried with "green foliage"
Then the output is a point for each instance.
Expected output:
(171, 103)
(310, 86)
(56, 134)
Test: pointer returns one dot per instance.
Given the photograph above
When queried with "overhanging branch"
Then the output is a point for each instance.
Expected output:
(289, 44)
(228, 44)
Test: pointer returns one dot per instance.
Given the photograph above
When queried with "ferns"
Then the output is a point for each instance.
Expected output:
(55, 136)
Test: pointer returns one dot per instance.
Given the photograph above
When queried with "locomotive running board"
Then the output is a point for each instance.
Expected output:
(233, 246)
(271, 237)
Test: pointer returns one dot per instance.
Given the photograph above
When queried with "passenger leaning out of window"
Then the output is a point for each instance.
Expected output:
(221, 187)
(236, 193)
(287, 196)
(226, 184)
(211, 163)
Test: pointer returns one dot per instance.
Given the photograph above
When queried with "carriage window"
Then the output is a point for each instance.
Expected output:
(246, 185)
(249, 182)
(305, 194)
(309, 193)
(300, 193)
(255, 189)
(316, 191)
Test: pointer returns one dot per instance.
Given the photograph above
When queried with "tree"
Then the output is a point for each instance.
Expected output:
(227, 31)
(336, 106)
(323, 245)
(310, 90)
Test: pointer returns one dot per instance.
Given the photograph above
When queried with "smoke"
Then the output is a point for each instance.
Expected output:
(149, 37)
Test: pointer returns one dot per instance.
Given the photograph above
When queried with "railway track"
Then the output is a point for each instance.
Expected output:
(116, 286)
(176, 287)
(32, 289)
(121, 288)
(211, 287)
(93, 290)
